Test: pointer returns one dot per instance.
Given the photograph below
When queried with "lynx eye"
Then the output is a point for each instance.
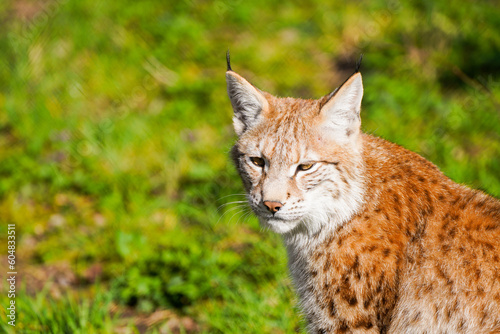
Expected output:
(257, 161)
(303, 167)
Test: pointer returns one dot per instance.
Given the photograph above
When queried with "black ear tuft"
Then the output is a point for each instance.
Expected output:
(332, 94)
(358, 64)
(228, 61)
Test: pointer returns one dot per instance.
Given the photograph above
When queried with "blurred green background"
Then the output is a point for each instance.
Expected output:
(115, 129)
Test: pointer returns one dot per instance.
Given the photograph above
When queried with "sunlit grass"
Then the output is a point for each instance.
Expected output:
(67, 314)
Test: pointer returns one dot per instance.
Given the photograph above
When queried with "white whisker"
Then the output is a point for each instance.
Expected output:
(241, 195)
(245, 216)
(238, 212)
(236, 207)
(230, 203)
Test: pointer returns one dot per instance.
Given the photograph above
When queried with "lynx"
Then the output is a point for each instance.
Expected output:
(379, 240)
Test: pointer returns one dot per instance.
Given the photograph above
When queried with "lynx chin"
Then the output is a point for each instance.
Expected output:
(378, 239)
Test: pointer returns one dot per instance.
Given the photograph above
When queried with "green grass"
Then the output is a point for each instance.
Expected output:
(115, 129)
(69, 314)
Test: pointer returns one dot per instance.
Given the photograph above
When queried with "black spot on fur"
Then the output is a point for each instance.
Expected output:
(332, 309)
(367, 302)
(363, 323)
(343, 328)
(327, 266)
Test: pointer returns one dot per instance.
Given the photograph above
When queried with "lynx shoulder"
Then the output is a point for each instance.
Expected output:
(378, 239)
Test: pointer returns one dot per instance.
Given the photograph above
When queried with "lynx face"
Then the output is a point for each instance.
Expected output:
(299, 159)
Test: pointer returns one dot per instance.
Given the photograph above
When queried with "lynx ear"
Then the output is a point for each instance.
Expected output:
(248, 102)
(340, 110)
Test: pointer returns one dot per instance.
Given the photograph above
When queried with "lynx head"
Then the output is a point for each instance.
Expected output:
(300, 160)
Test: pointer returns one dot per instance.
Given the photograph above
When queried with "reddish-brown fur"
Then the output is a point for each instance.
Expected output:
(420, 236)
(405, 249)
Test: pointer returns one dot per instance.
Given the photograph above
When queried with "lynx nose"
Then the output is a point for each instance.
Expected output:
(273, 206)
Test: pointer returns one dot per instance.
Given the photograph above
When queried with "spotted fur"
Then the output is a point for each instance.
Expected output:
(378, 239)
